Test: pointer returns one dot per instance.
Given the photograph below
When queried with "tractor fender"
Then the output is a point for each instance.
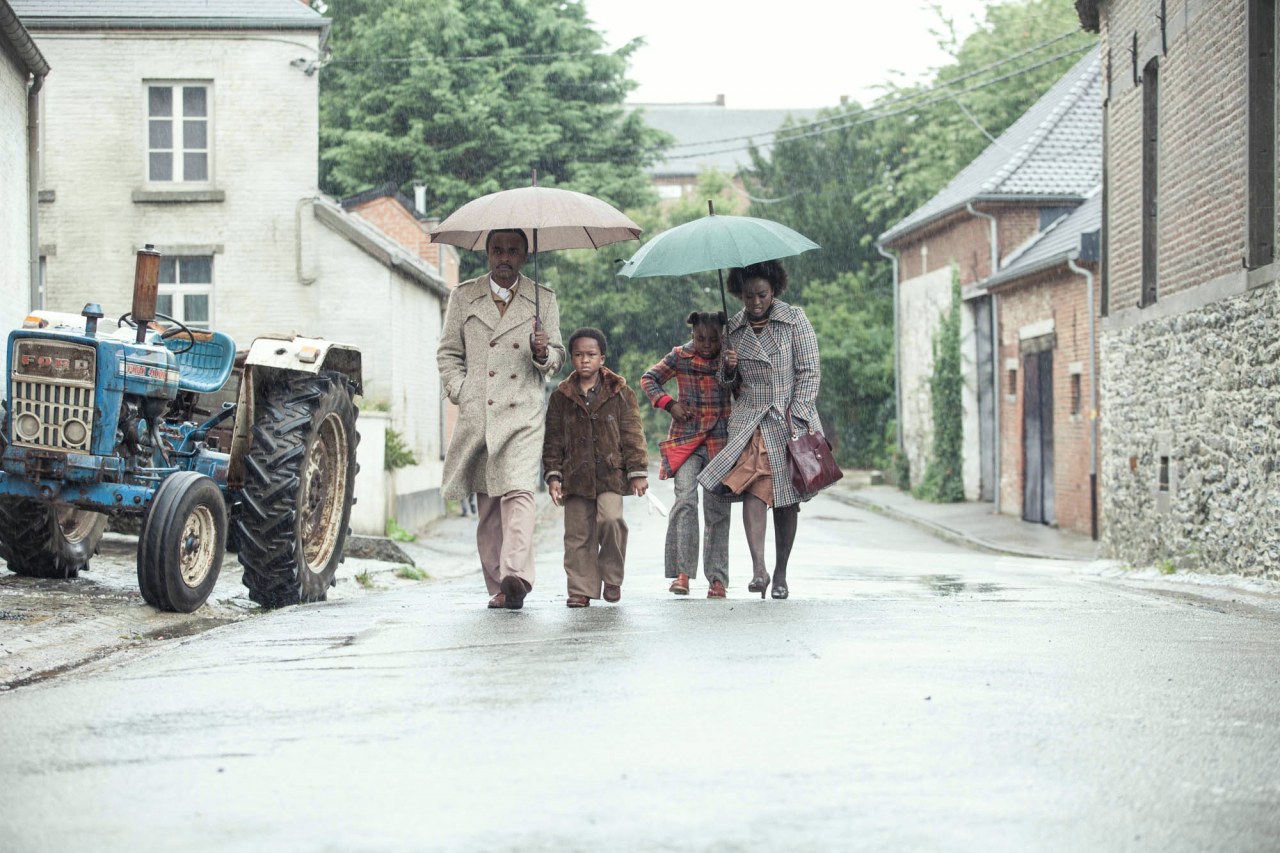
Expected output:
(307, 355)
(289, 353)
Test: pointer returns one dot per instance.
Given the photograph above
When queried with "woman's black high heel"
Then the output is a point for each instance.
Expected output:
(758, 585)
(779, 590)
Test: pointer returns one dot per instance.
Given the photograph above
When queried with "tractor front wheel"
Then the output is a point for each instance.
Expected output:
(182, 542)
(43, 541)
(299, 479)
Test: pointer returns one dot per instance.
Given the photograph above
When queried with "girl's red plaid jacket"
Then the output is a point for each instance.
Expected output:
(702, 397)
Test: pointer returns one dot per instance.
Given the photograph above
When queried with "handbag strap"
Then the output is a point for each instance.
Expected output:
(791, 430)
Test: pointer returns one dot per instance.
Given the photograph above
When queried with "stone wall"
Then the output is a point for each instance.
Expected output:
(1202, 389)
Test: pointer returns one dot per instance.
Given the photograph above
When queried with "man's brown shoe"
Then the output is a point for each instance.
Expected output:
(577, 601)
(612, 593)
(716, 590)
(515, 592)
(680, 586)
(498, 602)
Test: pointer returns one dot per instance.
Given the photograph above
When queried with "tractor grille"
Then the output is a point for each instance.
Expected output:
(52, 402)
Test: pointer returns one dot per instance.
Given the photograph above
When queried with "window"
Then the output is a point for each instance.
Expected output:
(1162, 481)
(1012, 388)
(1150, 174)
(186, 290)
(178, 132)
(1261, 122)
(1076, 394)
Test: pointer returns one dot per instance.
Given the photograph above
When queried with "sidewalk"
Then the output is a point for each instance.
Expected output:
(971, 523)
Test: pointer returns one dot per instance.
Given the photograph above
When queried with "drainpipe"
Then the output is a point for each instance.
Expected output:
(897, 353)
(304, 272)
(1093, 398)
(33, 186)
(995, 345)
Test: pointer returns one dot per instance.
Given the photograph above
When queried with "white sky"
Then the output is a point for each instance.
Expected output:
(777, 54)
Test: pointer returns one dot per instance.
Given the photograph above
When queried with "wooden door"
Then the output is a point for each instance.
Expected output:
(1037, 437)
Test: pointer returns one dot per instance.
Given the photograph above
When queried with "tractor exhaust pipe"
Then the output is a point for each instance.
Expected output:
(146, 289)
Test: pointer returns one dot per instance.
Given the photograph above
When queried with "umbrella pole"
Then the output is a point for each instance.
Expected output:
(724, 303)
(537, 305)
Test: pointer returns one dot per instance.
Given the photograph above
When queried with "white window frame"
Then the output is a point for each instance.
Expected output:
(179, 288)
(176, 131)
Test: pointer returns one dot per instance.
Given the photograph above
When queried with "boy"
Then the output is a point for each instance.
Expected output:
(594, 452)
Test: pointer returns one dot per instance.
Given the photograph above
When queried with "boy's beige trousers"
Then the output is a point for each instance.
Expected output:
(595, 542)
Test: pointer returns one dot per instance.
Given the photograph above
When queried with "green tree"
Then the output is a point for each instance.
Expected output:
(943, 480)
(471, 97)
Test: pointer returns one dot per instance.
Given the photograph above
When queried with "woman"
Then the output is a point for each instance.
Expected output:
(770, 362)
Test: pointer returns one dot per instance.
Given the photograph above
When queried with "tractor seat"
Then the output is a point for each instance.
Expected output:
(205, 367)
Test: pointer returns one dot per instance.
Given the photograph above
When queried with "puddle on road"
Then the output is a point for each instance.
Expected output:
(945, 585)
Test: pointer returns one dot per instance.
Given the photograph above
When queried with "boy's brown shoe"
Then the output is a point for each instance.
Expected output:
(498, 602)
(680, 586)
(612, 593)
(577, 601)
(716, 590)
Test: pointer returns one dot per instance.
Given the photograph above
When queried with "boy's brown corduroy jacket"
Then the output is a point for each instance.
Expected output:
(592, 452)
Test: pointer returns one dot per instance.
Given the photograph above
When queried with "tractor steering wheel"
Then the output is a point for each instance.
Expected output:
(127, 320)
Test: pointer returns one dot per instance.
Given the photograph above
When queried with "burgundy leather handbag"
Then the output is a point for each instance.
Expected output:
(812, 463)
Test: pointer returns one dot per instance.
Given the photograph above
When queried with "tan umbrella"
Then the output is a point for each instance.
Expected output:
(552, 219)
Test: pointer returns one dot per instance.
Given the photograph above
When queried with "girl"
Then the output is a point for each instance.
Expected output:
(699, 418)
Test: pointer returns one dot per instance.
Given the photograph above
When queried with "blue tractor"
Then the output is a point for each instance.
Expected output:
(168, 424)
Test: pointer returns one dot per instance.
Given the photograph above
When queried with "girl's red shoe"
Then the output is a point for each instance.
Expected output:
(680, 586)
(716, 590)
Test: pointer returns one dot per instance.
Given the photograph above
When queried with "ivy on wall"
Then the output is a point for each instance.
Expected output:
(943, 480)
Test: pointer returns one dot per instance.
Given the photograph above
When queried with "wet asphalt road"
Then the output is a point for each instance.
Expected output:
(911, 695)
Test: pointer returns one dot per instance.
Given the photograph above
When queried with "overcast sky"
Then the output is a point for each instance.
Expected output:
(795, 53)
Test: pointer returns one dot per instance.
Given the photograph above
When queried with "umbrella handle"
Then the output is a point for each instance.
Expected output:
(537, 303)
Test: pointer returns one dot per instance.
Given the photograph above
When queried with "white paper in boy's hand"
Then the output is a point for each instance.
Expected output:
(656, 505)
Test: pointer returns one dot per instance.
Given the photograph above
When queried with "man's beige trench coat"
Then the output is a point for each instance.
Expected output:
(488, 370)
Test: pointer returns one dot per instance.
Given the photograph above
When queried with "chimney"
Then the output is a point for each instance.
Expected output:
(420, 197)
(719, 100)
(844, 100)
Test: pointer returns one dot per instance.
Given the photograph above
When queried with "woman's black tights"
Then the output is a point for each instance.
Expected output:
(755, 514)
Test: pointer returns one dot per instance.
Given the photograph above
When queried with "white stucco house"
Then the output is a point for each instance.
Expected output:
(22, 72)
(195, 127)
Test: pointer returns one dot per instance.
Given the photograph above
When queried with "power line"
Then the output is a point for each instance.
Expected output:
(869, 117)
(916, 95)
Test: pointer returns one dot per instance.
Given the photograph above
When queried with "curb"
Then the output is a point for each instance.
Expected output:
(945, 533)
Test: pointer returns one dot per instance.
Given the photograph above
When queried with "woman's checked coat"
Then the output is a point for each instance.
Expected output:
(777, 369)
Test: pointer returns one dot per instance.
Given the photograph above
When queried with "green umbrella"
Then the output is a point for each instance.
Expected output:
(715, 242)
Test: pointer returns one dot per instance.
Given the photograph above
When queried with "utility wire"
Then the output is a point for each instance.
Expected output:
(869, 117)
(916, 95)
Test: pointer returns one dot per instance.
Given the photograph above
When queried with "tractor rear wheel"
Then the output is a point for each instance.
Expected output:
(300, 475)
(43, 541)
(182, 543)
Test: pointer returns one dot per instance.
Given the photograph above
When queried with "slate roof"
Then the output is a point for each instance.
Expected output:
(707, 136)
(1051, 154)
(1054, 245)
(15, 36)
(168, 14)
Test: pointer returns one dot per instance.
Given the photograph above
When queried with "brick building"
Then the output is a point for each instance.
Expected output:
(1046, 356)
(996, 210)
(1190, 337)
(711, 136)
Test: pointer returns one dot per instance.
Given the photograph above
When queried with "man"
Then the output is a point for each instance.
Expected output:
(494, 359)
